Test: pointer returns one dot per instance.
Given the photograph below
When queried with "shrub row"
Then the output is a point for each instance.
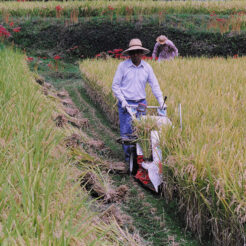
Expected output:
(96, 36)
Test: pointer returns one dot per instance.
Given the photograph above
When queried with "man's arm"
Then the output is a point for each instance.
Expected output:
(155, 86)
(117, 83)
(155, 51)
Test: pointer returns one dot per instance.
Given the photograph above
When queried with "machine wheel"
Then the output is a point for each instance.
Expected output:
(133, 162)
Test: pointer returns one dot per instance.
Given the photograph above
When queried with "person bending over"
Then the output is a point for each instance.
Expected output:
(164, 49)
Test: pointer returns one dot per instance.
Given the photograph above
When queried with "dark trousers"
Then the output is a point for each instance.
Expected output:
(126, 124)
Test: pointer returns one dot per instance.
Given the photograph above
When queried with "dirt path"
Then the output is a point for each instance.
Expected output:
(151, 216)
(92, 112)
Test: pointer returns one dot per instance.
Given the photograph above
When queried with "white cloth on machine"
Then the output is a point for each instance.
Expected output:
(153, 167)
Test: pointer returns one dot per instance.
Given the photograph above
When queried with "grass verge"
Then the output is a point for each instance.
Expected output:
(41, 201)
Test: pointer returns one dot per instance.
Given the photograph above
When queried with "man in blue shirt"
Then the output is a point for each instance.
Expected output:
(129, 84)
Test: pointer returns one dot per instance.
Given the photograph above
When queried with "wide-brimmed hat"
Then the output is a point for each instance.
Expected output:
(161, 39)
(135, 44)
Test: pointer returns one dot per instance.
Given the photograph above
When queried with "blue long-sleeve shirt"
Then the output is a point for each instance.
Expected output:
(130, 81)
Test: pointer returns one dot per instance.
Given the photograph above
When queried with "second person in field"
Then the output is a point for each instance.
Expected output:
(164, 49)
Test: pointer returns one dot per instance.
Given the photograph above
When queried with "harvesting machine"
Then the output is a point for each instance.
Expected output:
(146, 169)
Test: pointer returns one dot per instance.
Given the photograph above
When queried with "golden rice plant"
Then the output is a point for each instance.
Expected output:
(125, 8)
(143, 128)
(205, 160)
(41, 201)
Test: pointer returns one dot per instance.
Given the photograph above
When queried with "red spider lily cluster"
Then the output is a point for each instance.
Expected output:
(21, 0)
(58, 8)
(58, 11)
(4, 33)
(53, 64)
(56, 63)
(148, 58)
(213, 14)
(57, 57)
(110, 7)
(110, 10)
(116, 53)
(235, 56)
(30, 59)
(220, 19)
(16, 29)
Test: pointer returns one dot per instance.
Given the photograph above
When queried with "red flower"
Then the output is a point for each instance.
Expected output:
(11, 23)
(16, 29)
(147, 57)
(97, 55)
(4, 32)
(30, 59)
(44, 57)
(221, 20)
(110, 51)
(49, 65)
(110, 8)
(123, 57)
(213, 14)
(235, 56)
(57, 57)
(58, 8)
(118, 50)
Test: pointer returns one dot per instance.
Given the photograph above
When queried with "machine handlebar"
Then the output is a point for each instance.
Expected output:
(136, 106)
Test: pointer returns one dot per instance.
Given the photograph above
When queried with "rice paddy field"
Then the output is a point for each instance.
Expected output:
(204, 165)
(97, 8)
(42, 202)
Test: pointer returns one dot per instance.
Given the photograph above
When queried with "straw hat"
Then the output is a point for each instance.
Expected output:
(161, 39)
(135, 44)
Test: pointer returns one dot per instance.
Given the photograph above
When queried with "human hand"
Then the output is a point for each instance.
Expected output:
(161, 102)
(124, 104)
